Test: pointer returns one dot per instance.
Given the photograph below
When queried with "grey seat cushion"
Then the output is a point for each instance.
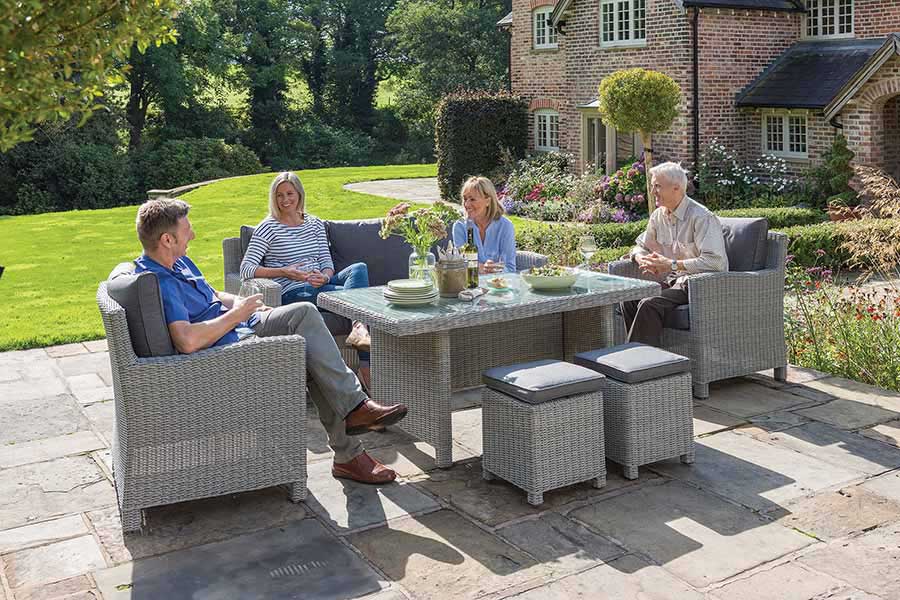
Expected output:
(543, 380)
(633, 362)
(359, 241)
(746, 240)
(139, 295)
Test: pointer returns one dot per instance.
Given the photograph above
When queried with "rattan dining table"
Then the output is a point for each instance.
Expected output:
(421, 355)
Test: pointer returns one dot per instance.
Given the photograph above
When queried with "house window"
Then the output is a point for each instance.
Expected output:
(785, 135)
(829, 18)
(546, 130)
(623, 22)
(544, 32)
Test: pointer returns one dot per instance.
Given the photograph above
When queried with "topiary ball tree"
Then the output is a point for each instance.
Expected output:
(640, 100)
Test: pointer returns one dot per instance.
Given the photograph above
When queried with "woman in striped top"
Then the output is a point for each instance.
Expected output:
(291, 248)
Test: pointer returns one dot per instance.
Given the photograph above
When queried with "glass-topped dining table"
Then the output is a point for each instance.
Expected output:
(420, 355)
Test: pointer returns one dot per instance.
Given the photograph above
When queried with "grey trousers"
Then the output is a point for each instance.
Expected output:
(332, 386)
(645, 318)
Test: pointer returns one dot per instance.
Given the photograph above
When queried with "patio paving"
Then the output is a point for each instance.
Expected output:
(795, 495)
(421, 189)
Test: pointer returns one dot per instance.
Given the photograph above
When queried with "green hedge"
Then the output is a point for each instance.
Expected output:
(471, 130)
(179, 162)
(804, 241)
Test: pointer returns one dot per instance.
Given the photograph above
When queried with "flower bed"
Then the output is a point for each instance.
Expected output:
(850, 331)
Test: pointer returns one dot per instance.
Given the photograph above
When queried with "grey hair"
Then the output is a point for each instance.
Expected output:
(288, 177)
(158, 216)
(671, 172)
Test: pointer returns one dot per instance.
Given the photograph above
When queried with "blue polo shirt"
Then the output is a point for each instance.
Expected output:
(186, 296)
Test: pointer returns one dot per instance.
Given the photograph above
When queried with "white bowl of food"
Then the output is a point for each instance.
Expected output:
(551, 277)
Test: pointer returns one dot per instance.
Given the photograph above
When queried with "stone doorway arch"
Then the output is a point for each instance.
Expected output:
(879, 105)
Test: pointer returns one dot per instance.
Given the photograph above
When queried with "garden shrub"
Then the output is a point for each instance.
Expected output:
(538, 186)
(725, 182)
(174, 163)
(471, 130)
(779, 217)
(832, 177)
(831, 244)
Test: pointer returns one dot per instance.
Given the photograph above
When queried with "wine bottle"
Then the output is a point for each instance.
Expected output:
(470, 253)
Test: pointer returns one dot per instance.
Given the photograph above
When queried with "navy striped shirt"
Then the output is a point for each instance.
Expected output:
(275, 245)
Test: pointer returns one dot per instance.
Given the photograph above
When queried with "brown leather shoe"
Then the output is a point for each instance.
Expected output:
(370, 414)
(359, 337)
(364, 469)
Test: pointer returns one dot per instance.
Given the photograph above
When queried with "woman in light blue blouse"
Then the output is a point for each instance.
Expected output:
(495, 236)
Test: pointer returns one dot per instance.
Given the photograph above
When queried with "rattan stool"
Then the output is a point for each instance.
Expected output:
(647, 404)
(542, 426)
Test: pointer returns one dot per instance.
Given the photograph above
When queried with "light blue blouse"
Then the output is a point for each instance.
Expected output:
(499, 241)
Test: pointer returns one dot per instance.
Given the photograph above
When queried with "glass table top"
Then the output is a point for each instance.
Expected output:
(588, 283)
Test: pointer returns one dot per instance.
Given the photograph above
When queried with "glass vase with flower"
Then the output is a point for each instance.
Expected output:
(421, 229)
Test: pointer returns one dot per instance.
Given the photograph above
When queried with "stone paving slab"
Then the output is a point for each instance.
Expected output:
(888, 433)
(53, 562)
(838, 448)
(848, 414)
(299, 560)
(778, 421)
(708, 420)
(74, 588)
(18, 357)
(85, 364)
(38, 418)
(627, 578)
(788, 581)
(420, 189)
(96, 346)
(348, 506)
(443, 555)
(834, 515)
(415, 459)
(886, 486)
(187, 524)
(496, 502)
(847, 389)
(102, 416)
(27, 536)
(756, 474)
(560, 543)
(79, 442)
(698, 537)
(746, 399)
(796, 374)
(467, 432)
(868, 562)
(21, 391)
(48, 489)
(66, 350)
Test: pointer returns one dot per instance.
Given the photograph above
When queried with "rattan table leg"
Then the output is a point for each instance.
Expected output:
(415, 370)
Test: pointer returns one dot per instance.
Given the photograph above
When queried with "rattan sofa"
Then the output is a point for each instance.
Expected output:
(350, 242)
(733, 324)
(196, 426)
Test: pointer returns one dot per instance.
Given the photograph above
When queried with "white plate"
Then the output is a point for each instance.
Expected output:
(410, 302)
(420, 296)
(409, 285)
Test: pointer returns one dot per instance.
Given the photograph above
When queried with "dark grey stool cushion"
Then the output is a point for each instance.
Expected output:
(543, 380)
(139, 295)
(633, 362)
(745, 242)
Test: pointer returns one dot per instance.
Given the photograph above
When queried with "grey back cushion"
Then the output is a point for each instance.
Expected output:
(139, 295)
(359, 241)
(633, 362)
(746, 240)
(543, 380)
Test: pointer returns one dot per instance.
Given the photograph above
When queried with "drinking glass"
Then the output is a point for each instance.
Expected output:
(498, 266)
(587, 246)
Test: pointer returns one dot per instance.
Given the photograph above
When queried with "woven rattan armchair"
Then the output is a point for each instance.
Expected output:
(196, 425)
(736, 320)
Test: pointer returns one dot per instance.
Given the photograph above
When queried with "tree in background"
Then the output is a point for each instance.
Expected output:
(640, 100)
(440, 46)
(56, 58)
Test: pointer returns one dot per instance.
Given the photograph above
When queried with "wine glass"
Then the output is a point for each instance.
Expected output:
(587, 246)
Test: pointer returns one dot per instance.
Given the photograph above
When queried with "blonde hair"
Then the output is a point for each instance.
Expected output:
(485, 189)
(286, 176)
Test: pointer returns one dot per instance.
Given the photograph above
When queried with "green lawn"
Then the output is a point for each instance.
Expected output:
(54, 261)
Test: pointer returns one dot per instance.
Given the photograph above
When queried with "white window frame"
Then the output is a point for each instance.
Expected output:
(542, 15)
(817, 9)
(603, 151)
(540, 115)
(634, 8)
(785, 128)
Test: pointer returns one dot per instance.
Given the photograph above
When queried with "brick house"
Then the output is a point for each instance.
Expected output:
(762, 76)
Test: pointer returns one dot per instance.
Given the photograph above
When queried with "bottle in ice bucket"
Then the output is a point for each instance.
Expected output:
(470, 252)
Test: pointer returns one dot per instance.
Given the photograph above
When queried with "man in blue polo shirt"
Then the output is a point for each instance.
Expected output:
(199, 317)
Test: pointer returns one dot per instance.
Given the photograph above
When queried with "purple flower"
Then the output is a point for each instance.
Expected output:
(639, 199)
(620, 197)
(813, 270)
(788, 259)
(632, 172)
(620, 216)
(628, 198)
(639, 166)
(826, 273)
(820, 252)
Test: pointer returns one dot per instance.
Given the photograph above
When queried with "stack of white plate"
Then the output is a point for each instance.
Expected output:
(410, 292)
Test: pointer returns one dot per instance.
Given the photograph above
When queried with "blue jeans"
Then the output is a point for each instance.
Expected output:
(354, 276)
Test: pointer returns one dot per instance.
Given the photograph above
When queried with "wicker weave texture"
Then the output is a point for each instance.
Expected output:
(194, 426)
(545, 446)
(737, 319)
(648, 421)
